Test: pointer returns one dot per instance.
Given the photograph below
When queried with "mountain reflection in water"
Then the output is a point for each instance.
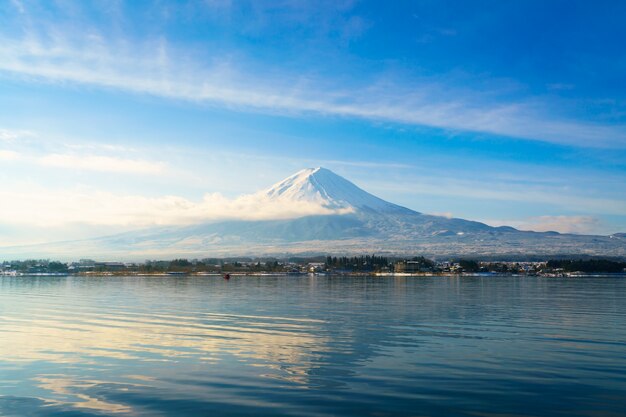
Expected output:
(171, 346)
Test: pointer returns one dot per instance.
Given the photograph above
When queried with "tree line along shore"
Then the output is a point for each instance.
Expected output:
(357, 265)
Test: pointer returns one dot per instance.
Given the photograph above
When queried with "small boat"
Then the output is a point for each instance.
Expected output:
(226, 276)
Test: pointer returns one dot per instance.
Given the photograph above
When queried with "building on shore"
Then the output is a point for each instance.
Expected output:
(411, 267)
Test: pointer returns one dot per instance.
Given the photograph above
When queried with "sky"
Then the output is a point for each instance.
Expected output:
(122, 115)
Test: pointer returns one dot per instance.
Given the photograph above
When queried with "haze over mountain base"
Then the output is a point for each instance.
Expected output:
(352, 221)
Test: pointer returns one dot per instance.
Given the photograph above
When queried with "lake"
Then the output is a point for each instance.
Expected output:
(312, 346)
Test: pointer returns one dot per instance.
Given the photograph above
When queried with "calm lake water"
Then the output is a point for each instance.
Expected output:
(312, 346)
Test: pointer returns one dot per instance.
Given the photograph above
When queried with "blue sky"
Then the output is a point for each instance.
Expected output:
(114, 115)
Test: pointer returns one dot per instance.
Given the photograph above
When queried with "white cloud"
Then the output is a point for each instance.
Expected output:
(98, 147)
(35, 158)
(101, 163)
(37, 206)
(494, 190)
(562, 224)
(98, 60)
(445, 214)
(82, 156)
(12, 135)
(362, 164)
(6, 155)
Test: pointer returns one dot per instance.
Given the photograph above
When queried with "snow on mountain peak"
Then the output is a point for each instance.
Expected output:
(323, 187)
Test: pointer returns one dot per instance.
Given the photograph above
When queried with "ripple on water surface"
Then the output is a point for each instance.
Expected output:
(190, 346)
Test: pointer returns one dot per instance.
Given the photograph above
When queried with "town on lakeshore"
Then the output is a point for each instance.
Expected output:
(319, 265)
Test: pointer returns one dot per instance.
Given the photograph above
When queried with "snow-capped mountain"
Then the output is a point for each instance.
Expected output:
(325, 188)
(338, 217)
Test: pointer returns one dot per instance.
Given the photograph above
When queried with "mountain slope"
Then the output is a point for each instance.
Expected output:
(327, 189)
(359, 222)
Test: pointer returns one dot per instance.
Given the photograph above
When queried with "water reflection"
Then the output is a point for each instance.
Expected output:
(74, 393)
(311, 346)
(88, 338)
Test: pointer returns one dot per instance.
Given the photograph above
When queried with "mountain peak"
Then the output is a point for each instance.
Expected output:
(322, 186)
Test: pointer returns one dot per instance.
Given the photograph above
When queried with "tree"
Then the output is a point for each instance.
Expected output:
(469, 265)
(57, 267)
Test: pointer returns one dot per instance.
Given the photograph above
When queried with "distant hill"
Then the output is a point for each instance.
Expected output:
(356, 222)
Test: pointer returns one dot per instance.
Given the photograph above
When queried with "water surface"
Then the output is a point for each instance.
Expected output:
(312, 346)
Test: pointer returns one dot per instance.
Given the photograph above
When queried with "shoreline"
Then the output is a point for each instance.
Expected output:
(329, 274)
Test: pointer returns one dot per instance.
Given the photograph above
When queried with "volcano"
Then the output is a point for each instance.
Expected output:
(340, 218)
(323, 187)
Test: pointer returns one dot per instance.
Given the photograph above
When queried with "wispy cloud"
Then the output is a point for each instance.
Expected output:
(101, 163)
(366, 164)
(7, 135)
(508, 191)
(82, 156)
(562, 224)
(157, 68)
(96, 207)
(445, 214)
(6, 155)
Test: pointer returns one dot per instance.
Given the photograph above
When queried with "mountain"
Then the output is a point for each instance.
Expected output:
(325, 188)
(345, 219)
